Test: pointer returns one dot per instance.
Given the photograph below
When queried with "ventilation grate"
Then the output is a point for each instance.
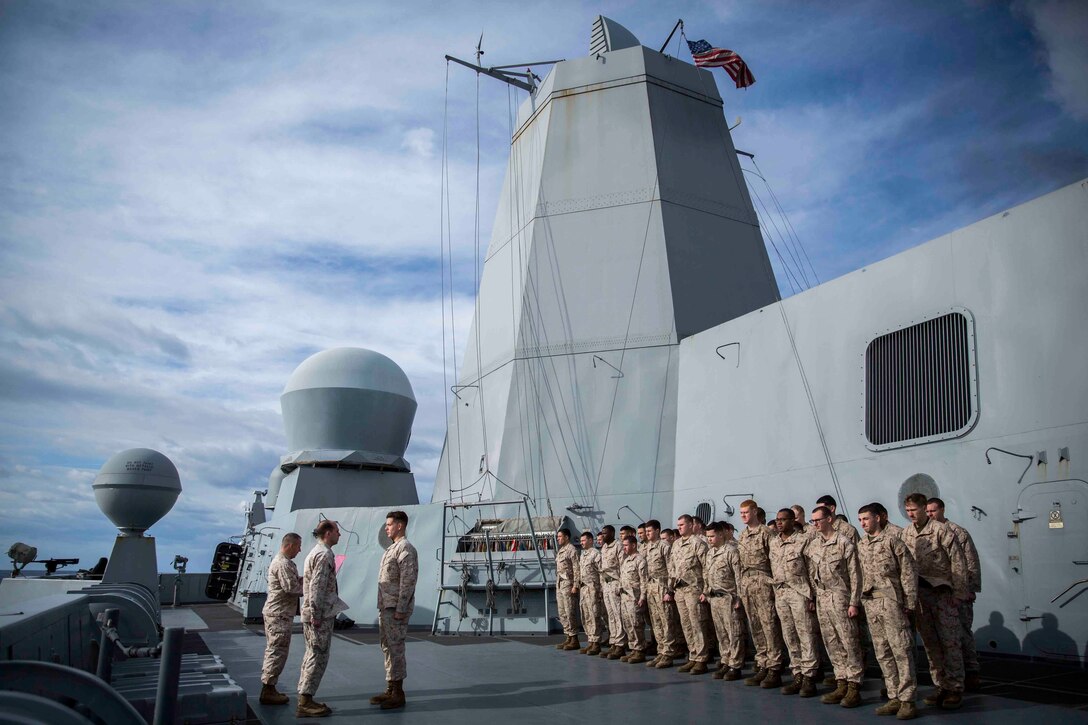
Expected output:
(598, 41)
(920, 382)
(704, 511)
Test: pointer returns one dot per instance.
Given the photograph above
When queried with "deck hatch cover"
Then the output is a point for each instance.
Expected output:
(920, 382)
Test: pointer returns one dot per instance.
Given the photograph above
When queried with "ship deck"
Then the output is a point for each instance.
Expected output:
(526, 680)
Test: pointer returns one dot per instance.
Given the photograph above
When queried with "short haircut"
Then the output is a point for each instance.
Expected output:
(585, 534)
(564, 531)
(939, 502)
(653, 524)
(625, 529)
(728, 526)
(823, 511)
(685, 517)
(761, 515)
(798, 509)
(324, 527)
(789, 512)
(642, 525)
(827, 500)
(291, 537)
(879, 508)
(716, 527)
(608, 527)
(916, 499)
(398, 516)
(630, 539)
(748, 504)
(869, 508)
(698, 520)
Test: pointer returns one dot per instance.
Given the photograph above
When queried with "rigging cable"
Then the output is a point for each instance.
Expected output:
(788, 223)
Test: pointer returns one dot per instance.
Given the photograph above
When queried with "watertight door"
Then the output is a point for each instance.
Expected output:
(1053, 527)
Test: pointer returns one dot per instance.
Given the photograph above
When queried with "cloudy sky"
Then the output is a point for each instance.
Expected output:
(195, 197)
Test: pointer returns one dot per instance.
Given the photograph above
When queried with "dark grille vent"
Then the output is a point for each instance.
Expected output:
(920, 383)
(704, 511)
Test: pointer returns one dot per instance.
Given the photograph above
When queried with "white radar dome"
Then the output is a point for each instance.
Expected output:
(136, 488)
(348, 398)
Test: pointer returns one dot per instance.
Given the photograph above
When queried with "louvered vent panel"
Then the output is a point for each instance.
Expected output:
(919, 383)
(598, 41)
(704, 511)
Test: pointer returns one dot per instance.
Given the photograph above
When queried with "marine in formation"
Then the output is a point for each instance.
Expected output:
(795, 589)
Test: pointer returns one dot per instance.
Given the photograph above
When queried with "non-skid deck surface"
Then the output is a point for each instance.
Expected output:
(496, 679)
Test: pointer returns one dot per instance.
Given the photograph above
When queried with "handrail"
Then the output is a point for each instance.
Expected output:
(1066, 591)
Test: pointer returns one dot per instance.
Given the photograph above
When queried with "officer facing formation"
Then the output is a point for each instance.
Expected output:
(284, 589)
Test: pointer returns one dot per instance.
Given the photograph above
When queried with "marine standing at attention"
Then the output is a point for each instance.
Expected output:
(722, 571)
(589, 594)
(971, 668)
(757, 594)
(566, 590)
(942, 585)
(633, 598)
(836, 576)
(397, 576)
(284, 589)
(687, 586)
(664, 618)
(889, 592)
(611, 554)
(320, 605)
(795, 605)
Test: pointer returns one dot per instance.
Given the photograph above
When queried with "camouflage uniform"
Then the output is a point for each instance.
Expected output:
(686, 570)
(792, 596)
(836, 576)
(894, 530)
(284, 589)
(942, 582)
(632, 588)
(967, 608)
(664, 617)
(397, 576)
(889, 584)
(757, 593)
(723, 576)
(566, 560)
(844, 527)
(610, 592)
(589, 593)
(320, 602)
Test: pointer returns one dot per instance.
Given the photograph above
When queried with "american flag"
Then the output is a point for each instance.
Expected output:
(707, 56)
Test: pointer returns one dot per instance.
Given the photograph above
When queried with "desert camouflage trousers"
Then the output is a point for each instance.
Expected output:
(729, 629)
(634, 624)
(391, 634)
(799, 629)
(840, 634)
(939, 625)
(665, 621)
(592, 606)
(568, 606)
(277, 633)
(893, 643)
(691, 621)
(967, 625)
(758, 596)
(610, 592)
(316, 658)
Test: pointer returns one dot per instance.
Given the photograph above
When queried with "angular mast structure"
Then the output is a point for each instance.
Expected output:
(623, 227)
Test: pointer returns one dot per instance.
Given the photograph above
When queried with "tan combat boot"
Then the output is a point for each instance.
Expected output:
(379, 699)
(573, 645)
(271, 696)
(732, 674)
(772, 679)
(853, 697)
(700, 668)
(594, 649)
(308, 707)
(563, 644)
(636, 657)
(936, 697)
(397, 698)
(757, 677)
(794, 687)
(891, 707)
(834, 698)
(952, 701)
(808, 687)
(907, 711)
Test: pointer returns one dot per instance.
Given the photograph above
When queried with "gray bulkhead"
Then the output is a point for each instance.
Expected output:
(746, 426)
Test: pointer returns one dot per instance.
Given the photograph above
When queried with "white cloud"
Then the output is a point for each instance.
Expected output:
(1062, 27)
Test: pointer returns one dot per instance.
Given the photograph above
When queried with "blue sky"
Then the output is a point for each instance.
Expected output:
(194, 197)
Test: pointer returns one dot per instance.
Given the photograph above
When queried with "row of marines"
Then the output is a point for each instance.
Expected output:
(789, 586)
